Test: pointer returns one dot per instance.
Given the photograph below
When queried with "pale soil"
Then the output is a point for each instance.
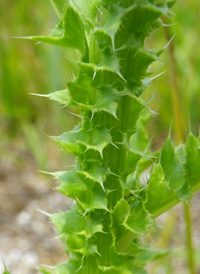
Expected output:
(27, 238)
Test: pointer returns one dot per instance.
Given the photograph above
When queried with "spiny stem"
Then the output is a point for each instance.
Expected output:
(111, 75)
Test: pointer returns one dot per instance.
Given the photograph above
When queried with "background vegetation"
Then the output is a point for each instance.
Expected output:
(28, 68)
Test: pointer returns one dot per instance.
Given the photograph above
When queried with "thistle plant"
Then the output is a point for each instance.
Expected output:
(112, 206)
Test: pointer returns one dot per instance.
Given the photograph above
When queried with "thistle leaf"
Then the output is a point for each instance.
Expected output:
(68, 33)
(96, 139)
(88, 94)
(172, 167)
(61, 96)
(72, 222)
(133, 216)
(88, 194)
(70, 267)
(158, 193)
(178, 167)
(94, 171)
(139, 220)
(192, 165)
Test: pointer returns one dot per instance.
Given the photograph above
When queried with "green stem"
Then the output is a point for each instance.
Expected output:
(190, 249)
(125, 240)
(180, 136)
(175, 94)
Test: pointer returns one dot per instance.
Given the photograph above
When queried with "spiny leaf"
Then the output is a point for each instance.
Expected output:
(67, 141)
(79, 244)
(143, 16)
(87, 93)
(141, 62)
(125, 263)
(119, 216)
(87, 193)
(68, 222)
(139, 220)
(72, 222)
(61, 96)
(97, 99)
(94, 170)
(70, 267)
(68, 33)
(107, 57)
(139, 141)
(173, 169)
(133, 216)
(158, 193)
(95, 139)
(192, 164)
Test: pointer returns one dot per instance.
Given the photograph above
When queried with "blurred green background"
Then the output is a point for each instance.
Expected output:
(26, 67)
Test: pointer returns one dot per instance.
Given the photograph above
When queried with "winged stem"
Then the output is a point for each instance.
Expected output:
(112, 208)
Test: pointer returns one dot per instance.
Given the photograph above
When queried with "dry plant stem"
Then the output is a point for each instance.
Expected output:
(190, 248)
(180, 136)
